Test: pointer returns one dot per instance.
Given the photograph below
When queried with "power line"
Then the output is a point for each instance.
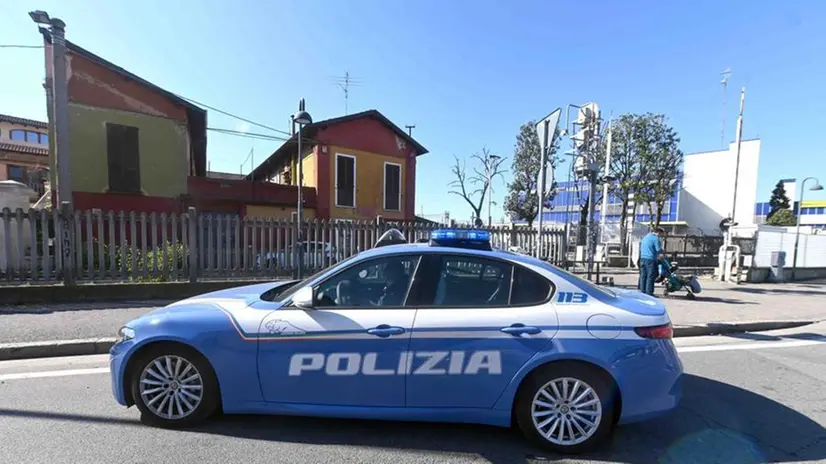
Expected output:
(21, 46)
(253, 135)
(226, 113)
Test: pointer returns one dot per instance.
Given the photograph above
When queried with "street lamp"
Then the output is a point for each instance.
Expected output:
(813, 188)
(302, 118)
(491, 159)
(59, 90)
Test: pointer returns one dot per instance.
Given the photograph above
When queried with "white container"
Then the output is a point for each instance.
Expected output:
(14, 195)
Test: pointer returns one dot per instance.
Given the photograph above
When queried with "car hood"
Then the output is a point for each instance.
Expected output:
(638, 302)
(244, 295)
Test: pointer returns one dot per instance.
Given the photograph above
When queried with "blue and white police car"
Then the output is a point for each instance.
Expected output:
(449, 330)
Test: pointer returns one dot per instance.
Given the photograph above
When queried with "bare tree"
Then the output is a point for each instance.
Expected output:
(474, 186)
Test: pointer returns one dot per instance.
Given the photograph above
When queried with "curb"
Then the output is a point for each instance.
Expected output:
(90, 292)
(723, 328)
(55, 348)
(90, 346)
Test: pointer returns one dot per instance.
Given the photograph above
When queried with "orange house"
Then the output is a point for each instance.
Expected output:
(361, 166)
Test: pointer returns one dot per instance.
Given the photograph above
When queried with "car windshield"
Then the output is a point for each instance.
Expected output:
(282, 296)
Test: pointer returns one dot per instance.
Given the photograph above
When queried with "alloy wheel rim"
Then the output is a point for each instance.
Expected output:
(566, 411)
(171, 387)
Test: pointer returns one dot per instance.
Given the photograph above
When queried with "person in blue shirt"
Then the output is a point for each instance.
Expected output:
(651, 251)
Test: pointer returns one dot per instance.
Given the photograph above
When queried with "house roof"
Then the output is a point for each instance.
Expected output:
(195, 114)
(27, 149)
(290, 147)
(23, 121)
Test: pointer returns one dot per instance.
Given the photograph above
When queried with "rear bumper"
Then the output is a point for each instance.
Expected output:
(651, 385)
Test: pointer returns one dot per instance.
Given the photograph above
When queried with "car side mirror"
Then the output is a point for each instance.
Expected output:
(303, 298)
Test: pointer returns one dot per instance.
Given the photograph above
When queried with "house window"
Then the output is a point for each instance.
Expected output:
(17, 173)
(345, 181)
(123, 158)
(392, 187)
(20, 135)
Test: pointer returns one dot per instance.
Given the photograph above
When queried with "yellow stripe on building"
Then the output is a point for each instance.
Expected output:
(814, 204)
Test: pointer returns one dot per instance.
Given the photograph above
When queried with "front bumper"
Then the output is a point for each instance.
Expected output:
(118, 357)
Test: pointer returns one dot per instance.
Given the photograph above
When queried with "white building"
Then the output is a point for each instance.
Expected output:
(707, 193)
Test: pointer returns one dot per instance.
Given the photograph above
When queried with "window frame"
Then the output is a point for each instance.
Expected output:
(433, 269)
(355, 171)
(406, 304)
(384, 187)
(12, 132)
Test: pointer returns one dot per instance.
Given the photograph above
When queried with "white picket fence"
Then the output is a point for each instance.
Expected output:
(94, 246)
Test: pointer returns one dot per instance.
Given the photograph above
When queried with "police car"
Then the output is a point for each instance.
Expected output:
(448, 330)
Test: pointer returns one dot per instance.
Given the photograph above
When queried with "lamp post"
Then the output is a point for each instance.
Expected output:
(302, 118)
(813, 188)
(60, 94)
(489, 169)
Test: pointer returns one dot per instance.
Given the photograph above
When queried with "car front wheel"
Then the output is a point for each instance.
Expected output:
(567, 408)
(174, 387)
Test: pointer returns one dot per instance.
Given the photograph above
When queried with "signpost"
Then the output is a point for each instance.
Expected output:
(546, 130)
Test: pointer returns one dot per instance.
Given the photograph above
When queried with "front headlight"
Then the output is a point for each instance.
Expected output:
(126, 333)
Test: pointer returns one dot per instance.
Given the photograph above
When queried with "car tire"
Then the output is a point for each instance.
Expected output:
(165, 381)
(535, 398)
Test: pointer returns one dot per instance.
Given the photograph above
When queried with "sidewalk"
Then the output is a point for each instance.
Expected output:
(717, 309)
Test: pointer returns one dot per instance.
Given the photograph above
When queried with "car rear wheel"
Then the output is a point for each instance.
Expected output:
(174, 387)
(567, 408)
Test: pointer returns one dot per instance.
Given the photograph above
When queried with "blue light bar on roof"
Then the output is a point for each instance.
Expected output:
(461, 238)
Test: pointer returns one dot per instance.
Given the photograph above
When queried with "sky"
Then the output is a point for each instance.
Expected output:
(466, 73)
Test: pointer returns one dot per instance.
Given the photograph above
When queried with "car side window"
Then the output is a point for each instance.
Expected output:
(470, 281)
(380, 282)
(529, 287)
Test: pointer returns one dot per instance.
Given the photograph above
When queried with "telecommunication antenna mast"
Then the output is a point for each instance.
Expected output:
(726, 73)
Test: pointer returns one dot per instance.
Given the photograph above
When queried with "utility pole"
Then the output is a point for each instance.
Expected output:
(730, 229)
(606, 173)
(726, 73)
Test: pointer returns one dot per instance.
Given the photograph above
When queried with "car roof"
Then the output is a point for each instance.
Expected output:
(427, 248)
(530, 261)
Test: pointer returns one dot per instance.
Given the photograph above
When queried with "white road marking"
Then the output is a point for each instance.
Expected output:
(750, 346)
(680, 349)
(63, 373)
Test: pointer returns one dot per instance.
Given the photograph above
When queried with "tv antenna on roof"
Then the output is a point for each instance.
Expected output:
(345, 83)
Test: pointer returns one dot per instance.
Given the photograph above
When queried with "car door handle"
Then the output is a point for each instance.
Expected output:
(385, 330)
(519, 329)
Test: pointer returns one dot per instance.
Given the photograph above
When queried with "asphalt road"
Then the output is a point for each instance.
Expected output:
(69, 321)
(754, 398)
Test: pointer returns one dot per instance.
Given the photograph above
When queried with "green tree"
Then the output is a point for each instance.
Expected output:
(782, 217)
(660, 161)
(522, 201)
(778, 201)
(473, 187)
(625, 164)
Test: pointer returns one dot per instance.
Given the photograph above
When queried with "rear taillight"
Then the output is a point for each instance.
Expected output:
(656, 331)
